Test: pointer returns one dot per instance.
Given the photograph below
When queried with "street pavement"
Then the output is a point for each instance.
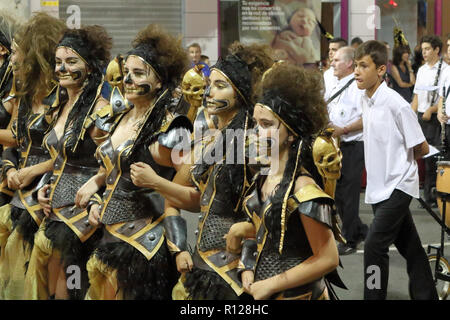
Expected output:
(352, 271)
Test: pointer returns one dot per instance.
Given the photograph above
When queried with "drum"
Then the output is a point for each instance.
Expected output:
(443, 186)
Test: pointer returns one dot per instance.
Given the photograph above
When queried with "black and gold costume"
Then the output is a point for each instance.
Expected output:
(133, 256)
(281, 238)
(310, 201)
(222, 185)
(66, 233)
(25, 211)
(134, 244)
(67, 227)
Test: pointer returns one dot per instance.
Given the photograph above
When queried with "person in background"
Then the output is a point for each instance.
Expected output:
(329, 78)
(425, 104)
(417, 59)
(356, 42)
(205, 59)
(195, 54)
(402, 73)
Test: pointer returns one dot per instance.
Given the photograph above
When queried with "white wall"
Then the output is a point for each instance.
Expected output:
(363, 19)
(201, 26)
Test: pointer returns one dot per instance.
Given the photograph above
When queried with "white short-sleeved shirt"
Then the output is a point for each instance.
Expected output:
(425, 79)
(346, 108)
(391, 131)
(330, 81)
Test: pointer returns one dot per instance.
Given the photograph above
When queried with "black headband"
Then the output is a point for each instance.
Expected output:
(148, 53)
(298, 125)
(75, 43)
(236, 70)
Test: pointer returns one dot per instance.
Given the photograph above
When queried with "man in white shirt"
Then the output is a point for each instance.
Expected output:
(328, 76)
(345, 113)
(429, 77)
(393, 140)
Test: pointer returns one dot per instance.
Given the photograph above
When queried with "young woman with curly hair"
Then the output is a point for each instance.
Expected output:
(132, 260)
(290, 216)
(26, 161)
(64, 238)
(213, 187)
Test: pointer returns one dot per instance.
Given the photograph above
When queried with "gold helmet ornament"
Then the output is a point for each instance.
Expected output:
(114, 73)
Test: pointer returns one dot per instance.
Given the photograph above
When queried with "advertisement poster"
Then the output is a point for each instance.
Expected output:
(288, 26)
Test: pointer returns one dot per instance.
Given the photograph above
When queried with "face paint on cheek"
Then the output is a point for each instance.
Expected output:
(221, 104)
(144, 89)
(77, 74)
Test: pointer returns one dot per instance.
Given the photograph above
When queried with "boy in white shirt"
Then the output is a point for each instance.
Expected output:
(393, 140)
(425, 104)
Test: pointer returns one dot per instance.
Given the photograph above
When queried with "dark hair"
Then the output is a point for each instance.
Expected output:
(417, 59)
(434, 40)
(342, 42)
(375, 49)
(397, 54)
(357, 40)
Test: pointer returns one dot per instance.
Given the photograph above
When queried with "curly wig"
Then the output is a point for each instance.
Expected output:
(93, 44)
(164, 52)
(306, 110)
(36, 42)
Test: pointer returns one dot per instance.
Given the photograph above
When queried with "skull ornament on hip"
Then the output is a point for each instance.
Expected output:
(327, 155)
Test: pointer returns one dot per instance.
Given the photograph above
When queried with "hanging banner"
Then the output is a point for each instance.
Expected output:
(288, 26)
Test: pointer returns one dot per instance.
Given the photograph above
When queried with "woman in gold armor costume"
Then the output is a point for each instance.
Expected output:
(215, 183)
(65, 239)
(292, 220)
(25, 163)
(132, 260)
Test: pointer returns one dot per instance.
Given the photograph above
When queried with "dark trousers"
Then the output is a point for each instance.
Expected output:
(432, 132)
(348, 190)
(393, 224)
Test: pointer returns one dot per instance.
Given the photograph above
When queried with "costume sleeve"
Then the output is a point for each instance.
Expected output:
(248, 256)
(176, 233)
